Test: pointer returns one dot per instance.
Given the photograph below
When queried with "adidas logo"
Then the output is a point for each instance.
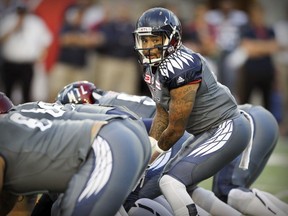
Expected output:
(180, 80)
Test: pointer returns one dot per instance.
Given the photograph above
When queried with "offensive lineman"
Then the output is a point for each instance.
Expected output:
(42, 155)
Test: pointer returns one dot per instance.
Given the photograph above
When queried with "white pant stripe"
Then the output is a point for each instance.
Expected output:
(103, 168)
(217, 141)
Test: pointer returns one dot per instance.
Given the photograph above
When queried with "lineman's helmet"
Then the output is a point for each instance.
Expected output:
(5, 103)
(80, 92)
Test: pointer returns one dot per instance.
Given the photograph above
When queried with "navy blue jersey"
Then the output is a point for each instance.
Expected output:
(214, 102)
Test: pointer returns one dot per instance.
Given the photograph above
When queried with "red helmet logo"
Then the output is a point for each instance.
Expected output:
(78, 92)
(5, 103)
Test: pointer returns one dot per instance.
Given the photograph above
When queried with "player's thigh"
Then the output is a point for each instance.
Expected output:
(129, 138)
(203, 156)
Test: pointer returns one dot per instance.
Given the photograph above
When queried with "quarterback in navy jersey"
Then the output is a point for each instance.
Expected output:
(188, 98)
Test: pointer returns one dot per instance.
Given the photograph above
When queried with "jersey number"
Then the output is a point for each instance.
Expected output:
(43, 124)
(54, 110)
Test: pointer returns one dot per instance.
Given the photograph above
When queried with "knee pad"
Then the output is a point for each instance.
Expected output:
(203, 198)
(250, 203)
(240, 199)
(167, 182)
(176, 194)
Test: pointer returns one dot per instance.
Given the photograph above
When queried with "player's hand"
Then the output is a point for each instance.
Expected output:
(154, 145)
(156, 150)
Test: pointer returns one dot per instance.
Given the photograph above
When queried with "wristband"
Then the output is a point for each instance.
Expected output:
(158, 149)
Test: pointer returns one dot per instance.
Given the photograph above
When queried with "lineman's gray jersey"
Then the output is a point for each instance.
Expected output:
(214, 102)
(141, 105)
(37, 144)
(50, 111)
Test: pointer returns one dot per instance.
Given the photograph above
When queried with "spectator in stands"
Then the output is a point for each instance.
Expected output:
(258, 71)
(76, 42)
(200, 36)
(117, 64)
(24, 39)
(227, 20)
(6, 6)
(281, 33)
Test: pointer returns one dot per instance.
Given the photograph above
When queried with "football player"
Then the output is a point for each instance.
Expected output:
(83, 158)
(265, 138)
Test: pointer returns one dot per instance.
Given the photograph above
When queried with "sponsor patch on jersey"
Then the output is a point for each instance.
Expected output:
(180, 80)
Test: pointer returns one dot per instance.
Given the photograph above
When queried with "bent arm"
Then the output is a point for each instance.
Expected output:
(180, 108)
(159, 124)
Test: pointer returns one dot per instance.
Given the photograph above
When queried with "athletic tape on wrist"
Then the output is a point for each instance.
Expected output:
(158, 149)
(154, 145)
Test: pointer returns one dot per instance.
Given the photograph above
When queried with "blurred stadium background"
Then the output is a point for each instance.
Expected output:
(274, 178)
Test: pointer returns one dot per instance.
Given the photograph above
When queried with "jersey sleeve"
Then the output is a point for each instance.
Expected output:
(189, 72)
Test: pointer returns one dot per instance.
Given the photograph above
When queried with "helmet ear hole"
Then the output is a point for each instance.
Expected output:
(5, 103)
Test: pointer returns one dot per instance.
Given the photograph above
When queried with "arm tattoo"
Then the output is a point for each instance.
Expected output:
(181, 105)
(160, 122)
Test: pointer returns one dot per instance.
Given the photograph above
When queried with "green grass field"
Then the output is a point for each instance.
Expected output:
(274, 178)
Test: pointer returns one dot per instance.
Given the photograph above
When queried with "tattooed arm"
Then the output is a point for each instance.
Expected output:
(167, 128)
(180, 107)
(159, 124)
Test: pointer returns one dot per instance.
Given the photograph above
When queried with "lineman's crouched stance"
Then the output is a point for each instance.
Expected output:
(109, 173)
(93, 164)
